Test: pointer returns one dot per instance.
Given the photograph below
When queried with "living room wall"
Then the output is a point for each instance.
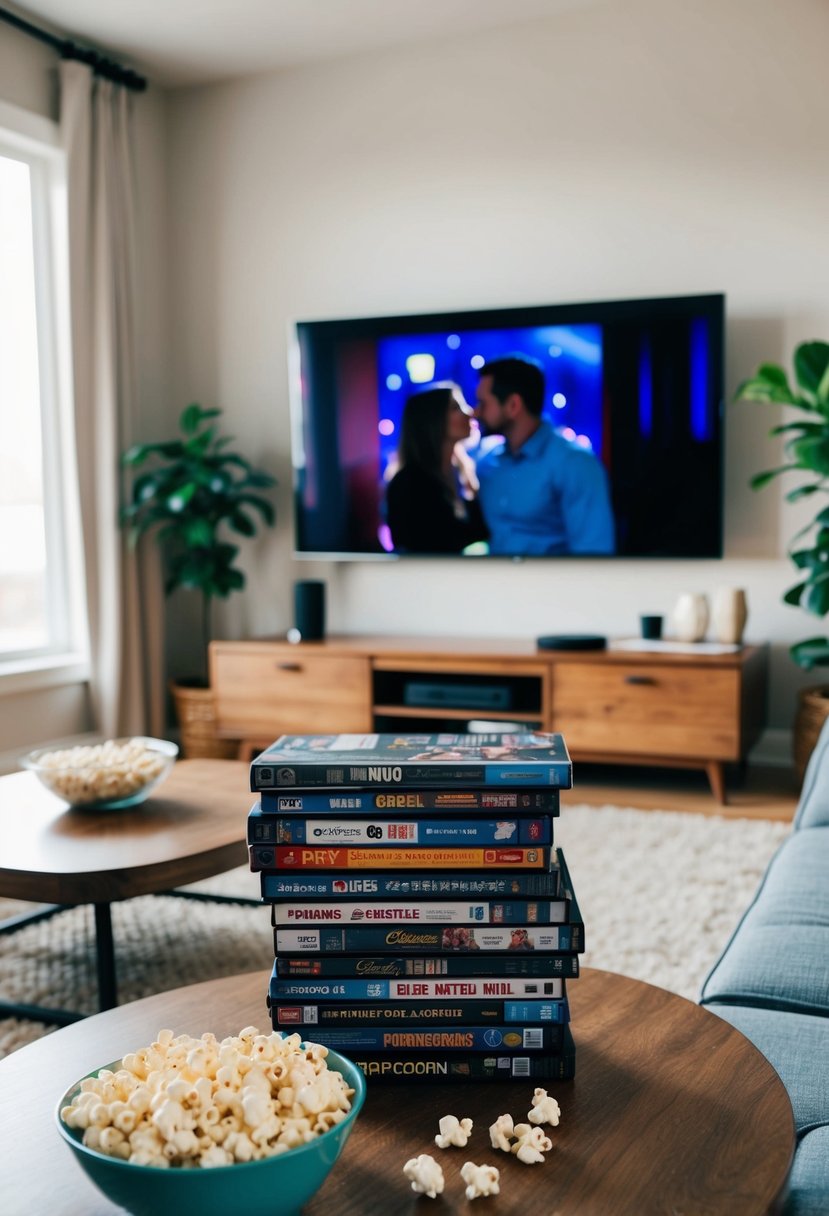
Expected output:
(654, 147)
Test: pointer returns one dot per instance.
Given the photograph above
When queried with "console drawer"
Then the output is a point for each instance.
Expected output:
(640, 710)
(262, 691)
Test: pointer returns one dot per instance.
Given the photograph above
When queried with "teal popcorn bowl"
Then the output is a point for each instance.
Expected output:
(274, 1186)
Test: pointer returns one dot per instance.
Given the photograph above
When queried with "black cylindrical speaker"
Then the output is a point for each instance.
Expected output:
(309, 610)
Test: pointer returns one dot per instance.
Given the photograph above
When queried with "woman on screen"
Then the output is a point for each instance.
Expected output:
(431, 502)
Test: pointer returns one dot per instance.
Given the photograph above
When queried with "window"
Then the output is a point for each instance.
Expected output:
(40, 559)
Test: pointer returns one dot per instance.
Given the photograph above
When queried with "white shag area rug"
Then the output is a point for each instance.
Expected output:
(660, 893)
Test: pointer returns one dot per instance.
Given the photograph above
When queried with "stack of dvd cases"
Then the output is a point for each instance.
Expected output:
(424, 922)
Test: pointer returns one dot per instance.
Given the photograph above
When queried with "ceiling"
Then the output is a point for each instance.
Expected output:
(181, 42)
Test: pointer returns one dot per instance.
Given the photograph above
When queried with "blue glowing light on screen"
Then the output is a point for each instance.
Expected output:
(570, 355)
(645, 389)
(702, 424)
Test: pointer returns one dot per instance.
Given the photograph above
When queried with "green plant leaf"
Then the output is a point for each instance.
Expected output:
(242, 523)
(260, 504)
(761, 479)
(758, 389)
(816, 596)
(198, 533)
(801, 492)
(804, 559)
(136, 454)
(811, 361)
(794, 594)
(178, 500)
(811, 453)
(806, 428)
(812, 652)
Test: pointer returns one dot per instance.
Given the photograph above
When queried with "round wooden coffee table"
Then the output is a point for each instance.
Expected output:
(672, 1111)
(192, 828)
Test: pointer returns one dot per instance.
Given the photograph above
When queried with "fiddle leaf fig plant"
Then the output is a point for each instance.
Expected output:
(806, 450)
(194, 494)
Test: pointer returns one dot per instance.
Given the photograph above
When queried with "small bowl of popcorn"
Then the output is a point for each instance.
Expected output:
(104, 776)
(252, 1123)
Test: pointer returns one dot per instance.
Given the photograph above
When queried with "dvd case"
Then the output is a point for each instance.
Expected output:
(276, 885)
(509, 964)
(361, 801)
(295, 829)
(525, 758)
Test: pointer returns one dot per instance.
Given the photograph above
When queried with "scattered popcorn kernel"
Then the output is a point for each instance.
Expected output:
(425, 1175)
(453, 1131)
(531, 1144)
(501, 1133)
(480, 1179)
(544, 1109)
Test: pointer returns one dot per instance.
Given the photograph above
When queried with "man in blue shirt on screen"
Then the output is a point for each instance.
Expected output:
(540, 493)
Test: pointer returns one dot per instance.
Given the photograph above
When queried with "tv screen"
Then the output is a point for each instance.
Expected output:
(590, 429)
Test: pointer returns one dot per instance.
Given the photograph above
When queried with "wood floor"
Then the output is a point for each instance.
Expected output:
(764, 792)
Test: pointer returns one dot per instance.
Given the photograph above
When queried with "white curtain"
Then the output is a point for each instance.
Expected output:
(124, 609)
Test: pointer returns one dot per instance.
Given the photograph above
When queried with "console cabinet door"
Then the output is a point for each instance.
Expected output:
(270, 691)
(643, 710)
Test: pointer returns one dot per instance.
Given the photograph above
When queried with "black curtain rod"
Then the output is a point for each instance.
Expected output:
(67, 49)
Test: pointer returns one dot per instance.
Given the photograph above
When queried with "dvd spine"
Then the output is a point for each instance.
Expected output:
(418, 1013)
(457, 911)
(484, 1066)
(554, 774)
(299, 857)
(510, 965)
(445, 990)
(361, 801)
(398, 833)
(276, 885)
(421, 939)
(501, 1038)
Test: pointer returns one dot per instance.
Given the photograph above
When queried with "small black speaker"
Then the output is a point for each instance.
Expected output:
(571, 641)
(309, 610)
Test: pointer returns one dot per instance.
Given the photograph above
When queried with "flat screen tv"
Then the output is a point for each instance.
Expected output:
(632, 398)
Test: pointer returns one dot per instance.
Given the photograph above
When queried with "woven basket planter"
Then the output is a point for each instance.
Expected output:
(812, 712)
(197, 723)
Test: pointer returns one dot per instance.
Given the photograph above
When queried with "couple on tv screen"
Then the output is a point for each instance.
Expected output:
(496, 479)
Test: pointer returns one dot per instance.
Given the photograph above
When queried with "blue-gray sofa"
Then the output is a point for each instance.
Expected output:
(772, 981)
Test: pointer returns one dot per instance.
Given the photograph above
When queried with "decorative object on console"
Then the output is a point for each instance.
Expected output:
(651, 626)
(729, 613)
(309, 611)
(805, 451)
(195, 488)
(690, 617)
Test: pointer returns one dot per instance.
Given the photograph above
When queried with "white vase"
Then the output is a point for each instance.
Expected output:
(729, 613)
(690, 617)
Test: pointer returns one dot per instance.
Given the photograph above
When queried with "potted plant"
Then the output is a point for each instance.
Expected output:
(806, 450)
(192, 495)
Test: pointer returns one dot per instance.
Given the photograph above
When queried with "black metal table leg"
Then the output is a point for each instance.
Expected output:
(105, 956)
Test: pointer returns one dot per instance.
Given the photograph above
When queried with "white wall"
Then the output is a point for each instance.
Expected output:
(640, 148)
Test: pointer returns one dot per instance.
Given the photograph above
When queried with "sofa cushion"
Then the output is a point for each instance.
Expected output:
(808, 1191)
(797, 1047)
(813, 807)
(778, 955)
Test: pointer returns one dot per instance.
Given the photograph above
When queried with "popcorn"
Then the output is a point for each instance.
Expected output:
(501, 1132)
(425, 1174)
(480, 1179)
(200, 1102)
(531, 1144)
(106, 771)
(453, 1132)
(544, 1109)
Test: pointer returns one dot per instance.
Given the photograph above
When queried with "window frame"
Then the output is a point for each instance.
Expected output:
(65, 657)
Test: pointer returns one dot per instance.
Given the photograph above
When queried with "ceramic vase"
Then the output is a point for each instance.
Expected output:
(690, 617)
(729, 613)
